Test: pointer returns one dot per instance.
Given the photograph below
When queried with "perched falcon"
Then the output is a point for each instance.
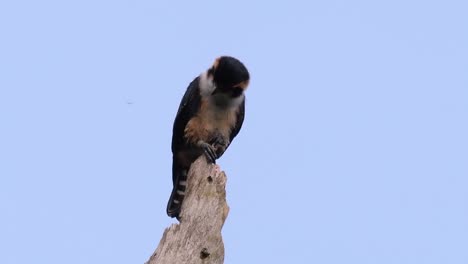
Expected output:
(210, 116)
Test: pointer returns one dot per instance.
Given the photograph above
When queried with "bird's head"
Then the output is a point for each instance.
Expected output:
(229, 76)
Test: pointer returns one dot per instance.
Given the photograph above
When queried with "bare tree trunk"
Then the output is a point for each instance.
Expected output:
(197, 238)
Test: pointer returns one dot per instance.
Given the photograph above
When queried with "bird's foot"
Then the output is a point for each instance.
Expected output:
(218, 141)
(220, 144)
(209, 151)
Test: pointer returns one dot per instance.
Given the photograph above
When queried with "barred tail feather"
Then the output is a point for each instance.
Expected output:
(179, 177)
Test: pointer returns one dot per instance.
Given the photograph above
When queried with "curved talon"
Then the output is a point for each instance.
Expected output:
(219, 144)
(210, 152)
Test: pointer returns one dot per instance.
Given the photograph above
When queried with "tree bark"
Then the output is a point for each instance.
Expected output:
(197, 238)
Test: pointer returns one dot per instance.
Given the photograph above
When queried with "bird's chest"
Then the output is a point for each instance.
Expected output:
(211, 120)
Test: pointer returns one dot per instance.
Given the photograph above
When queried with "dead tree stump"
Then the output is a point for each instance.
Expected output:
(197, 238)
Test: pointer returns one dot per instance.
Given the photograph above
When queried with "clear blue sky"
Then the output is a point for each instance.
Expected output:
(354, 148)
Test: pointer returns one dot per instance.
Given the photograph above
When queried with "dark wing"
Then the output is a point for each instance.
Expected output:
(187, 109)
(239, 121)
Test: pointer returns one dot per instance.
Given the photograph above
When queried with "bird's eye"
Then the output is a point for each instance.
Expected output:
(236, 91)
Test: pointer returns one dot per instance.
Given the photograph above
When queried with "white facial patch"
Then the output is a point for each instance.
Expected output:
(207, 85)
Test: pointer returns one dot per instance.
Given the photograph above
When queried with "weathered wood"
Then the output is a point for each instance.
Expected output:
(197, 238)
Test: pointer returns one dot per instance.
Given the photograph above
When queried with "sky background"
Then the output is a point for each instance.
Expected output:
(354, 148)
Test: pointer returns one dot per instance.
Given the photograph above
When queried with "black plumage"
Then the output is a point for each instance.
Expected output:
(206, 122)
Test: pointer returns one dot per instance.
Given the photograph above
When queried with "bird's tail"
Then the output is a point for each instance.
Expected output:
(179, 179)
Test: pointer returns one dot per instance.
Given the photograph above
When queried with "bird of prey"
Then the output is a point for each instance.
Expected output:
(210, 116)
